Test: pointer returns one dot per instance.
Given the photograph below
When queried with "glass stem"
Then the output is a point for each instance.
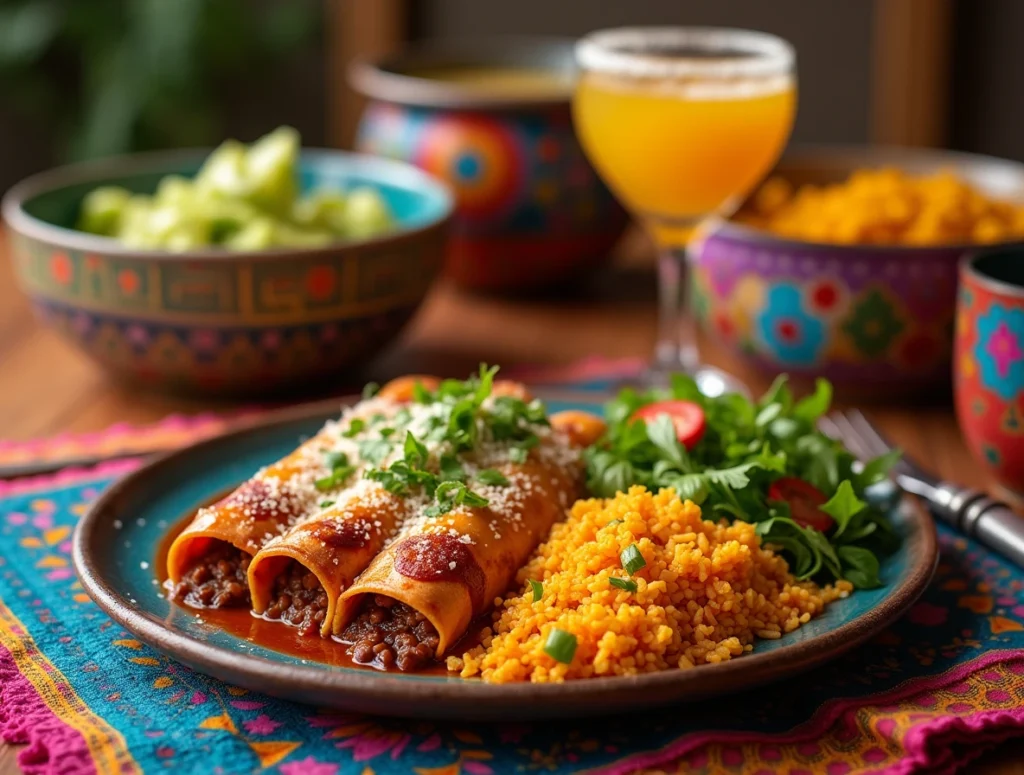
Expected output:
(676, 348)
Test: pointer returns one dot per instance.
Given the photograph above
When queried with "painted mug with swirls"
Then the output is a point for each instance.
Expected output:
(988, 372)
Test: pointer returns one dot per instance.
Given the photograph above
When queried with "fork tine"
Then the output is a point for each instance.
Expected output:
(866, 429)
(847, 434)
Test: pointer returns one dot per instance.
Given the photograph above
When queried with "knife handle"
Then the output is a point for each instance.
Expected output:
(985, 519)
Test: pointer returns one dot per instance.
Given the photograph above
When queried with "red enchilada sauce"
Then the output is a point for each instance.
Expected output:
(241, 623)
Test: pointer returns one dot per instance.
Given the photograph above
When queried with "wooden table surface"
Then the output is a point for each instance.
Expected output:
(47, 387)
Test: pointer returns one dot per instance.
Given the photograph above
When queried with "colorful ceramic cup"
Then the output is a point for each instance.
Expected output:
(213, 321)
(492, 119)
(989, 363)
(877, 320)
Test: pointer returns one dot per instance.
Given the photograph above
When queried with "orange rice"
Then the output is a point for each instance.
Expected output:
(708, 590)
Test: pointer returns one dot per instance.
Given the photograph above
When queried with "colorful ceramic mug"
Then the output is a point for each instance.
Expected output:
(492, 119)
(989, 362)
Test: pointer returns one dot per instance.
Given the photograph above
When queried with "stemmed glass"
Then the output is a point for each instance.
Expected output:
(681, 123)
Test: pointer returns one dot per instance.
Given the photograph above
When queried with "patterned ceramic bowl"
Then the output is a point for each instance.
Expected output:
(492, 119)
(218, 322)
(876, 320)
(989, 366)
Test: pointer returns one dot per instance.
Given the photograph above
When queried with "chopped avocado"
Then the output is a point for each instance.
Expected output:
(242, 198)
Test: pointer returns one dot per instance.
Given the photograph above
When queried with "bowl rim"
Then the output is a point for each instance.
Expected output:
(20, 221)
(380, 78)
(875, 156)
(970, 271)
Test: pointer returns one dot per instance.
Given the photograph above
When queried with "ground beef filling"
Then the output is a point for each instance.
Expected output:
(298, 599)
(390, 634)
(217, 580)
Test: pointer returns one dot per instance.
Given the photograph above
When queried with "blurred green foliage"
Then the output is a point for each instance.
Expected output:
(116, 75)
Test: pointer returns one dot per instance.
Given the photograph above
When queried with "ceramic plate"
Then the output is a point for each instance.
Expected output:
(117, 542)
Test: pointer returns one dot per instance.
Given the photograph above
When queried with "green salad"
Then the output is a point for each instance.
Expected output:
(759, 461)
(242, 198)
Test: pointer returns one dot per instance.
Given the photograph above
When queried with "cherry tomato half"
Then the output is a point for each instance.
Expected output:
(686, 416)
(804, 500)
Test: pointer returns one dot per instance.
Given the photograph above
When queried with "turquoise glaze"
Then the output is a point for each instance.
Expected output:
(175, 491)
(214, 321)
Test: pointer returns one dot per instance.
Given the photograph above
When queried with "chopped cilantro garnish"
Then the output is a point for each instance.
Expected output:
(335, 479)
(386, 432)
(326, 504)
(451, 469)
(451, 495)
(355, 427)
(415, 451)
(492, 476)
(374, 450)
(335, 459)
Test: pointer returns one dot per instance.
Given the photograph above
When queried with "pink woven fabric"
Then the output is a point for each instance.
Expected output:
(51, 746)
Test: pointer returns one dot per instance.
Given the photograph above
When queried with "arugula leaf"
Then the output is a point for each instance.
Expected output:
(859, 566)
(812, 407)
(768, 415)
(843, 506)
(878, 469)
(778, 393)
(745, 447)
(662, 433)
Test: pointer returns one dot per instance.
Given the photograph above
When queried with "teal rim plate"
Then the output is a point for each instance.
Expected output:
(115, 549)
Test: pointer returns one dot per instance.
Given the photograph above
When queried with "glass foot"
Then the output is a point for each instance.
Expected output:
(710, 380)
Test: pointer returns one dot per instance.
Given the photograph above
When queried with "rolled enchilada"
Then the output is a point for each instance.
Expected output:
(418, 597)
(208, 563)
(298, 576)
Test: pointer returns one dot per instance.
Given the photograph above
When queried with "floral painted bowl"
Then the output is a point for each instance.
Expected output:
(218, 322)
(877, 320)
(492, 119)
(989, 365)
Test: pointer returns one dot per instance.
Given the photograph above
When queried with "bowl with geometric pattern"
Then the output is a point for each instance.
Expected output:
(877, 320)
(218, 322)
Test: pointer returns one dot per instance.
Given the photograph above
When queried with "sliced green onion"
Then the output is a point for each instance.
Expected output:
(538, 589)
(632, 560)
(492, 476)
(326, 504)
(626, 584)
(560, 646)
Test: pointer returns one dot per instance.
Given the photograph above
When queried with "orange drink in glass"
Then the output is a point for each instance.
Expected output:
(681, 123)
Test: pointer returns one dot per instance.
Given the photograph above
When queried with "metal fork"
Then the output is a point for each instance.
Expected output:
(967, 510)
